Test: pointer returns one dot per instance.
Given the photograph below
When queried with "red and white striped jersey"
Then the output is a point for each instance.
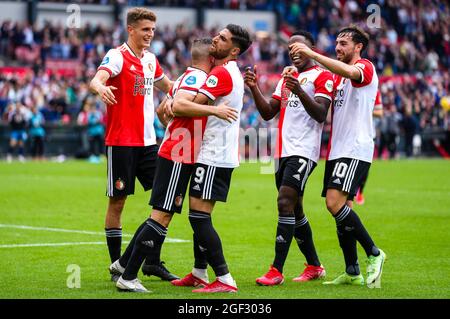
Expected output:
(298, 133)
(184, 135)
(352, 123)
(130, 121)
(220, 145)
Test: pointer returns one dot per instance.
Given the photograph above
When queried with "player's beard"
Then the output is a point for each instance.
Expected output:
(219, 55)
(346, 58)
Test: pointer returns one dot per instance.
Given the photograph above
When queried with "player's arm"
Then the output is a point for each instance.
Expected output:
(98, 86)
(188, 105)
(163, 118)
(378, 108)
(337, 67)
(378, 112)
(164, 84)
(316, 107)
(267, 109)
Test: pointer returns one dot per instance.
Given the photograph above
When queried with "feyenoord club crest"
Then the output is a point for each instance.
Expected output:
(150, 66)
(119, 184)
(303, 81)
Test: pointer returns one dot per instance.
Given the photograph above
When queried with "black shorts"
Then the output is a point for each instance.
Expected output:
(210, 182)
(169, 187)
(293, 171)
(344, 174)
(125, 163)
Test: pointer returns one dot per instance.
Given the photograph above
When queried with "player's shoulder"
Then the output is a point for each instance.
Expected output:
(191, 71)
(363, 63)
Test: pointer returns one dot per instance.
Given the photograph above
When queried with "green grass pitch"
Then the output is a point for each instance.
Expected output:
(407, 211)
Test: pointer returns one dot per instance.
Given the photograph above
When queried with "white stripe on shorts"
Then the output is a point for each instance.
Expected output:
(174, 177)
(110, 173)
(350, 175)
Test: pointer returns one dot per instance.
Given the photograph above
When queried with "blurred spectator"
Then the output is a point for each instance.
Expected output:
(17, 117)
(389, 129)
(95, 132)
(37, 134)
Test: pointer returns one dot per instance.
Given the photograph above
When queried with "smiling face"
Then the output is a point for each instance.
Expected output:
(222, 45)
(299, 60)
(142, 32)
(346, 48)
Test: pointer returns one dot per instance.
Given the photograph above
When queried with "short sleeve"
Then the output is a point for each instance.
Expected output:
(324, 85)
(159, 72)
(277, 93)
(112, 62)
(378, 103)
(192, 82)
(366, 69)
(217, 84)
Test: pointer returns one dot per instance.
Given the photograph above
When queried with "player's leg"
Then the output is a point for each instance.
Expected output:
(286, 201)
(168, 193)
(121, 175)
(150, 238)
(304, 238)
(146, 243)
(359, 198)
(208, 185)
(113, 226)
(342, 184)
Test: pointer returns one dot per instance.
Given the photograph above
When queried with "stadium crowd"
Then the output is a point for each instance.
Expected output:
(410, 49)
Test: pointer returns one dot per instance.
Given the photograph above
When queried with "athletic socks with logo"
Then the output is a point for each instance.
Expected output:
(304, 238)
(349, 225)
(148, 241)
(123, 260)
(285, 232)
(209, 240)
(201, 261)
(114, 242)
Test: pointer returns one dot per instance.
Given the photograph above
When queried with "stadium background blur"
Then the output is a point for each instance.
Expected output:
(46, 64)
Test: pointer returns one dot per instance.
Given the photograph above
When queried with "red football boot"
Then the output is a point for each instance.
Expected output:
(216, 286)
(311, 273)
(271, 278)
(189, 281)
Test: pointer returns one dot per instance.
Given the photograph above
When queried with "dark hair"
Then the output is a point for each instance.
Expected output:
(136, 14)
(240, 37)
(358, 35)
(308, 36)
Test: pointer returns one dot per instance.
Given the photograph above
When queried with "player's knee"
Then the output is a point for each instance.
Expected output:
(116, 205)
(161, 217)
(332, 204)
(285, 205)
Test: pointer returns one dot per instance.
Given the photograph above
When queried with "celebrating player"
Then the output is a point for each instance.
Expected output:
(124, 81)
(302, 99)
(351, 149)
(217, 158)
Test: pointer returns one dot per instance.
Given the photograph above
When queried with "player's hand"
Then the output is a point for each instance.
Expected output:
(225, 112)
(168, 111)
(288, 70)
(107, 95)
(250, 77)
(300, 48)
(292, 84)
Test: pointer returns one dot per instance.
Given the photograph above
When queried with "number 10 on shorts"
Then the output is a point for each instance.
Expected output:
(340, 169)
